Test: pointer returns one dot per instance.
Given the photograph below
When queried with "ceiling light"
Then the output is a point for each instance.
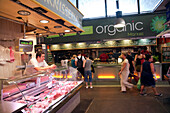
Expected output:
(46, 27)
(60, 21)
(57, 26)
(23, 12)
(119, 23)
(72, 27)
(67, 31)
(61, 34)
(19, 17)
(78, 33)
(44, 21)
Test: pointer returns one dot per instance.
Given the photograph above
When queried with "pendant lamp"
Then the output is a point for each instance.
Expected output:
(119, 22)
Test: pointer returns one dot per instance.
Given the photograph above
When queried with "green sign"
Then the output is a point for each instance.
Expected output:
(88, 30)
(144, 25)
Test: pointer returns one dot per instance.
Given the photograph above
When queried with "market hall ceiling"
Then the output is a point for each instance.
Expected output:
(36, 12)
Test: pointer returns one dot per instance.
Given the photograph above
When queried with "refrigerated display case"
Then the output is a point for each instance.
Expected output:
(43, 92)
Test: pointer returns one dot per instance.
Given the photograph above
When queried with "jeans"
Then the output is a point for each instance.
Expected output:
(86, 74)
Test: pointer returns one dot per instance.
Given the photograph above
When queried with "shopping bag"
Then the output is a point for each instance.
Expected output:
(138, 84)
(136, 78)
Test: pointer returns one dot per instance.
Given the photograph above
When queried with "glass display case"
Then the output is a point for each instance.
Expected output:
(52, 91)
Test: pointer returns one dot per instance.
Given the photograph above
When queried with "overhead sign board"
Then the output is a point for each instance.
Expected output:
(64, 9)
(144, 25)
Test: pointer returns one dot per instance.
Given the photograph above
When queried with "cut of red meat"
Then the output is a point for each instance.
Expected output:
(13, 89)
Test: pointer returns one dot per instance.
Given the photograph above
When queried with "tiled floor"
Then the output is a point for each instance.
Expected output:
(108, 99)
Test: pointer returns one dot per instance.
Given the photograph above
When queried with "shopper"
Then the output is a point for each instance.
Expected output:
(144, 52)
(64, 63)
(87, 71)
(124, 74)
(132, 65)
(38, 64)
(79, 63)
(104, 57)
(73, 68)
(147, 73)
(73, 61)
(138, 58)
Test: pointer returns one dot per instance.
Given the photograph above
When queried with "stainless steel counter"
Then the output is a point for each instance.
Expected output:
(110, 71)
(11, 107)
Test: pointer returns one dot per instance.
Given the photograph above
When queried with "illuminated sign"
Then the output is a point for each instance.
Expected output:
(25, 42)
(25, 45)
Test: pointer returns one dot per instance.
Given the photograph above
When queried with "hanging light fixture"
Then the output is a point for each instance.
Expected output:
(119, 22)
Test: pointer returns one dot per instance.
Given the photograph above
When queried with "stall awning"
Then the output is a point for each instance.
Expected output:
(60, 14)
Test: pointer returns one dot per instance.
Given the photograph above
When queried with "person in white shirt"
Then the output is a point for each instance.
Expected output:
(64, 63)
(38, 64)
(124, 73)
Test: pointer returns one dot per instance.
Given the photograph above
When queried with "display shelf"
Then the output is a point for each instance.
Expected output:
(19, 79)
(58, 103)
(67, 92)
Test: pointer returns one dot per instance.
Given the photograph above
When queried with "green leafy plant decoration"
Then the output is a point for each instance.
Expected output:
(157, 24)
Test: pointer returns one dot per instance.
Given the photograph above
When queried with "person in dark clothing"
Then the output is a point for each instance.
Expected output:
(79, 60)
(145, 51)
(132, 65)
(147, 73)
(138, 58)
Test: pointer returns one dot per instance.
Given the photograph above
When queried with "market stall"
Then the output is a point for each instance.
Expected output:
(49, 94)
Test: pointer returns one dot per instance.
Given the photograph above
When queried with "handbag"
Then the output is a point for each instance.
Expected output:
(136, 78)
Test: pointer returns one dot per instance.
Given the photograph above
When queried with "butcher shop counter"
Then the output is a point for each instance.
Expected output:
(56, 95)
(11, 107)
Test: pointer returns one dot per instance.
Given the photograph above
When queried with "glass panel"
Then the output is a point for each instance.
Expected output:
(92, 8)
(148, 5)
(73, 2)
(111, 7)
(126, 6)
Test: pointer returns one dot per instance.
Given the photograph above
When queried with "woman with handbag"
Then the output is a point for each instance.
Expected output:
(147, 74)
